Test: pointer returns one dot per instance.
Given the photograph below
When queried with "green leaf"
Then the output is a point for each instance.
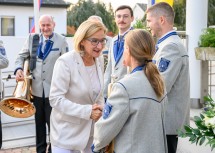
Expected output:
(192, 138)
(211, 141)
(197, 140)
(207, 39)
(188, 129)
(202, 116)
(197, 119)
(208, 98)
(181, 134)
(202, 140)
(196, 131)
(209, 133)
(212, 147)
(189, 134)
(201, 126)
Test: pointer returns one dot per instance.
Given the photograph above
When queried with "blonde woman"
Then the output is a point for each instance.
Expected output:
(134, 113)
(76, 91)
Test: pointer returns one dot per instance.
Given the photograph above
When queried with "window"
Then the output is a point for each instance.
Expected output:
(7, 26)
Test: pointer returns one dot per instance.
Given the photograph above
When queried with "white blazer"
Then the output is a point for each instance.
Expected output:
(71, 97)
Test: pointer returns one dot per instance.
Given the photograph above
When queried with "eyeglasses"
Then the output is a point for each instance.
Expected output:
(95, 41)
(126, 16)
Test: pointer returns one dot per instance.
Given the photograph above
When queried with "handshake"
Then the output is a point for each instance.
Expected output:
(96, 112)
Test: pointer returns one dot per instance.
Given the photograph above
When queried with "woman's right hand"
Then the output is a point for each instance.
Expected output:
(19, 75)
(96, 112)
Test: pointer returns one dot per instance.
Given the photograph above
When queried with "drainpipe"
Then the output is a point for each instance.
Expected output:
(36, 16)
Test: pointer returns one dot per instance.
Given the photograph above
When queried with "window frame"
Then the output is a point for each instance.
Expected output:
(2, 26)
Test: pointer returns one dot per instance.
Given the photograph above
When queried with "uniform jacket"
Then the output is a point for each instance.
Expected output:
(44, 68)
(71, 98)
(133, 117)
(173, 63)
(114, 70)
(107, 45)
(4, 62)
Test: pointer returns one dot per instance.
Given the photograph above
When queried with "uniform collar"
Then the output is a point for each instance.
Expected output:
(168, 34)
(44, 38)
(123, 34)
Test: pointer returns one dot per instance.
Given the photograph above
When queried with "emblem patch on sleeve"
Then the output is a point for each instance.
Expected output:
(2, 51)
(163, 64)
(107, 110)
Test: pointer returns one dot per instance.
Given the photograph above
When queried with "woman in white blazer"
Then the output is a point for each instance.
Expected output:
(76, 91)
(134, 113)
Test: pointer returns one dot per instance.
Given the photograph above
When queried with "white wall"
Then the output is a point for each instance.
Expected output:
(138, 13)
(22, 15)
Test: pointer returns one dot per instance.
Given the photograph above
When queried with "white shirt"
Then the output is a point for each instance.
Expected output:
(94, 78)
(95, 84)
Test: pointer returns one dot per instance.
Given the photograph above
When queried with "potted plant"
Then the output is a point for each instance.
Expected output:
(206, 49)
(204, 131)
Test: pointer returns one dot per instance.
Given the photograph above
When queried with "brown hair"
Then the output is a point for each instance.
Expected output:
(122, 7)
(162, 9)
(142, 48)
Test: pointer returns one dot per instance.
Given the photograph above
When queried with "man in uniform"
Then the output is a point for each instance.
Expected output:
(3, 64)
(115, 69)
(173, 63)
(50, 46)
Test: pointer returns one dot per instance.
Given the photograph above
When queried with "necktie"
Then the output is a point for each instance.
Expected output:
(120, 44)
(47, 46)
(120, 38)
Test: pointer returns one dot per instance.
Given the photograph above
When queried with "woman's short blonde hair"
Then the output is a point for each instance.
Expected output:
(86, 30)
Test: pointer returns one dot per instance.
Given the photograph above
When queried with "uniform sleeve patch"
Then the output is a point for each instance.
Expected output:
(107, 110)
(163, 64)
(2, 51)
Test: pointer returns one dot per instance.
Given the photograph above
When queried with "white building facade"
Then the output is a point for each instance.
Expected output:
(16, 17)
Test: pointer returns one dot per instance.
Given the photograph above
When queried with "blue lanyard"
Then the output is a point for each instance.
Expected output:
(47, 48)
(138, 68)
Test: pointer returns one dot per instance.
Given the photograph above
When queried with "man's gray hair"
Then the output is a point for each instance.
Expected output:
(47, 15)
(95, 18)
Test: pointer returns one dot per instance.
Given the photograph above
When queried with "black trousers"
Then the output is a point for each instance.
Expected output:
(42, 117)
(172, 142)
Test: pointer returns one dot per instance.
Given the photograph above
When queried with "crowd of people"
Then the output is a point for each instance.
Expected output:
(135, 104)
